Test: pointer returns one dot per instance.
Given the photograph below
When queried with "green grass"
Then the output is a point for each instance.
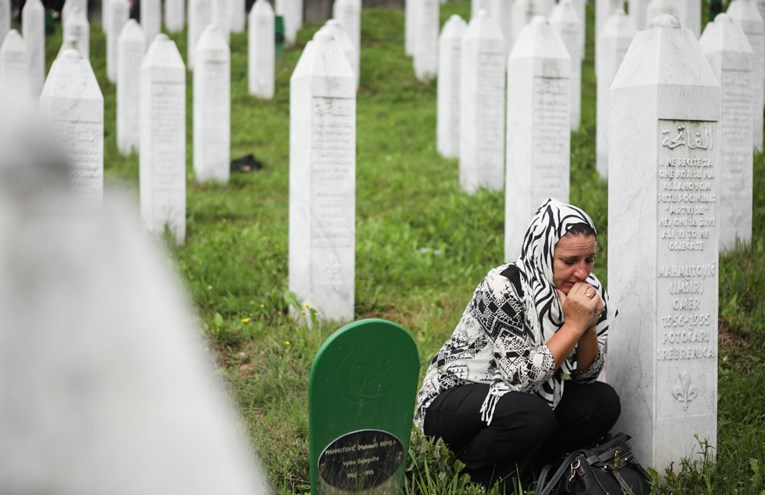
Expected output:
(421, 247)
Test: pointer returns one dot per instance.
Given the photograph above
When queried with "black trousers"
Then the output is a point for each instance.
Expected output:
(525, 433)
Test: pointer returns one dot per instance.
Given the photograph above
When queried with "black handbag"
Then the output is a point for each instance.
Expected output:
(608, 468)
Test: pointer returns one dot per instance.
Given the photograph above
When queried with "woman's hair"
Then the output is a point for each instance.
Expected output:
(581, 230)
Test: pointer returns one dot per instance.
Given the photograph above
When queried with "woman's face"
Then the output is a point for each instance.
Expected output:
(573, 260)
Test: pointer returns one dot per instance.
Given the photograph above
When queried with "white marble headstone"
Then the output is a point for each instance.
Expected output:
(238, 16)
(117, 19)
(565, 21)
(426, 45)
(603, 10)
(222, 17)
(448, 87)
(335, 29)
(322, 228)
(261, 57)
(162, 117)
(730, 56)
(523, 12)
(691, 12)
(33, 29)
(746, 15)
(671, 7)
(538, 128)
(108, 384)
(292, 12)
(502, 13)
(69, 5)
(77, 29)
(131, 47)
(581, 12)
(638, 13)
(200, 15)
(410, 20)
(151, 18)
(72, 102)
(105, 13)
(348, 14)
(613, 42)
(5, 18)
(212, 107)
(14, 66)
(175, 15)
(662, 245)
(482, 106)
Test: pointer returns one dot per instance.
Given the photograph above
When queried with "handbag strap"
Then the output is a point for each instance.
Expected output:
(544, 486)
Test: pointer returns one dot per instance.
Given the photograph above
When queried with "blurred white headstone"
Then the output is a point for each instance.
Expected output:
(538, 127)
(261, 56)
(482, 106)
(613, 42)
(348, 14)
(238, 16)
(502, 13)
(603, 10)
(117, 19)
(131, 47)
(212, 107)
(334, 29)
(448, 91)
(659, 7)
(730, 56)
(322, 231)
(5, 18)
(73, 104)
(292, 12)
(77, 28)
(200, 15)
(691, 12)
(566, 22)
(746, 15)
(14, 66)
(662, 210)
(410, 20)
(426, 45)
(69, 5)
(33, 29)
(638, 13)
(222, 17)
(162, 163)
(175, 15)
(151, 18)
(580, 6)
(108, 384)
(523, 12)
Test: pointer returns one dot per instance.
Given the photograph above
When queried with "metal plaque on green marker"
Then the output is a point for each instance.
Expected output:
(360, 405)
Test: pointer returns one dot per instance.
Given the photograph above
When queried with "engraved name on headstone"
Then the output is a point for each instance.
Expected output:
(448, 87)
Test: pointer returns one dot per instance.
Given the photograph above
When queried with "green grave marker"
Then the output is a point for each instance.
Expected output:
(360, 406)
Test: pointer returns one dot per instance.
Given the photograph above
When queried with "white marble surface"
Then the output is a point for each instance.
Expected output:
(151, 18)
(523, 12)
(482, 106)
(691, 12)
(426, 45)
(502, 13)
(5, 18)
(603, 10)
(212, 107)
(238, 16)
(200, 15)
(14, 66)
(746, 15)
(131, 47)
(33, 30)
(662, 245)
(175, 15)
(448, 87)
(71, 4)
(612, 45)
(292, 11)
(77, 30)
(348, 14)
(638, 13)
(671, 7)
(72, 102)
(221, 13)
(260, 46)
(322, 229)
(410, 19)
(335, 29)
(117, 19)
(162, 151)
(538, 128)
(730, 56)
(565, 21)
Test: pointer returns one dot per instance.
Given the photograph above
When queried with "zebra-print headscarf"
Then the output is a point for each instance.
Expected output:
(544, 312)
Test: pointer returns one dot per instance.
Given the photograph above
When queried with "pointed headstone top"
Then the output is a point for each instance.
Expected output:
(163, 53)
(13, 43)
(132, 31)
(454, 27)
(665, 21)
(724, 35)
(484, 27)
(73, 78)
(539, 39)
(212, 40)
(263, 7)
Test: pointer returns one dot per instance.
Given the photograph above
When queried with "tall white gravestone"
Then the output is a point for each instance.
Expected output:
(151, 18)
(212, 107)
(33, 29)
(5, 18)
(175, 15)
(322, 230)
(482, 105)
(523, 12)
(566, 22)
(72, 102)
(745, 13)
(410, 21)
(638, 13)
(131, 47)
(538, 128)
(70, 5)
(348, 14)
(426, 45)
(261, 57)
(613, 42)
(663, 192)
(691, 12)
(334, 29)
(448, 89)
(502, 13)
(603, 10)
(292, 12)
(730, 56)
(222, 17)
(581, 12)
(162, 157)
(117, 19)
(14, 66)
(200, 15)
(238, 17)
(77, 29)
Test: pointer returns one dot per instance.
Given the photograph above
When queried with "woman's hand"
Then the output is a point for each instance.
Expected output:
(582, 306)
